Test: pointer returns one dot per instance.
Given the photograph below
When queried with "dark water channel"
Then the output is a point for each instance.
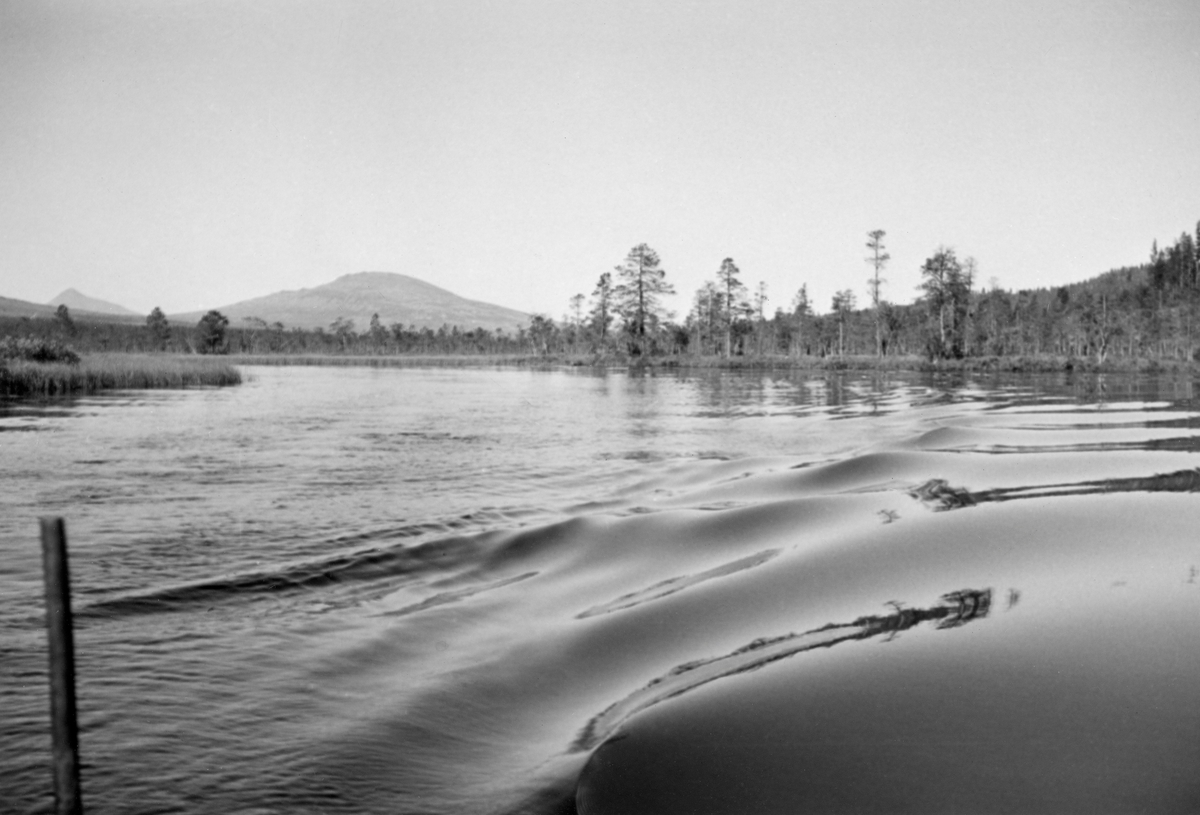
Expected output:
(456, 591)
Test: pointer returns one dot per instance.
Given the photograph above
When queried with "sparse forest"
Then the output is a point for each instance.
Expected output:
(1146, 312)
(1149, 312)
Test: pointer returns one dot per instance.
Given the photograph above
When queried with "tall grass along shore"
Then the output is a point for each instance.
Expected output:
(98, 372)
(1041, 363)
(398, 360)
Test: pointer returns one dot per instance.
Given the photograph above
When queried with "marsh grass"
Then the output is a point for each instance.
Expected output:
(579, 360)
(1042, 363)
(99, 372)
(396, 360)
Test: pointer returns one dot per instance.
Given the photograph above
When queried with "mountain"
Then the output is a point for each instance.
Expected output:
(74, 301)
(11, 307)
(396, 298)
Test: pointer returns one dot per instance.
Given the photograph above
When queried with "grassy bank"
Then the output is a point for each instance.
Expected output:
(99, 372)
(579, 360)
(395, 360)
(1016, 364)
(122, 371)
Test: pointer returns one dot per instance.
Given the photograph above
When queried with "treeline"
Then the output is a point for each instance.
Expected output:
(214, 334)
(1151, 311)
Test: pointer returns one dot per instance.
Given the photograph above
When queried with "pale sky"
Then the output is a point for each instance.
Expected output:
(193, 154)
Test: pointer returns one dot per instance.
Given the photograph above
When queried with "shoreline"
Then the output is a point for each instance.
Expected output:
(145, 371)
(864, 363)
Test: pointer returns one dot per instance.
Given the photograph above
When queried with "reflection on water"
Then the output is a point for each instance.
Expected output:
(938, 495)
(955, 609)
(671, 585)
(392, 590)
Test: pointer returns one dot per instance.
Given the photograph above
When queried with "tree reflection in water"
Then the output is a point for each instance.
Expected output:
(939, 495)
(955, 609)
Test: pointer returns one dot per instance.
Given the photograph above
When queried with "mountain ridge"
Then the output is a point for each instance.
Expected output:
(75, 300)
(395, 297)
(14, 307)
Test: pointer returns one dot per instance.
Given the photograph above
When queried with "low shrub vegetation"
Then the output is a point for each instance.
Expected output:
(36, 349)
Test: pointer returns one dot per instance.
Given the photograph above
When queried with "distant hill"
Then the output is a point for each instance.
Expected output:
(74, 301)
(11, 307)
(396, 298)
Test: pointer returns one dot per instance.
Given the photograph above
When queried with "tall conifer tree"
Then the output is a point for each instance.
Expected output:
(734, 291)
(602, 306)
(638, 295)
(878, 259)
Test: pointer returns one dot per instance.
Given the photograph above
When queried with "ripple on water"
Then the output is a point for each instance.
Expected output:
(337, 591)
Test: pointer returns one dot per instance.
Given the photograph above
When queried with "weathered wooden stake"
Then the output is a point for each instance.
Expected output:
(64, 730)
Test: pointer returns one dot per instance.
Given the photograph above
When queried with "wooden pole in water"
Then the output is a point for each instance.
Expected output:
(63, 727)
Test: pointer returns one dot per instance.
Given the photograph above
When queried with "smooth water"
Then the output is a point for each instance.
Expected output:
(455, 591)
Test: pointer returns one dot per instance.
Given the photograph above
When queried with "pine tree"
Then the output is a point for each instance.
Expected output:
(62, 315)
(843, 304)
(159, 328)
(210, 333)
(602, 306)
(706, 315)
(379, 334)
(638, 295)
(878, 259)
(734, 293)
(760, 307)
(936, 281)
(947, 286)
(802, 309)
(964, 284)
(577, 309)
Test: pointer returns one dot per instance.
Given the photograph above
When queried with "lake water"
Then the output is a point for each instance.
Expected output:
(475, 591)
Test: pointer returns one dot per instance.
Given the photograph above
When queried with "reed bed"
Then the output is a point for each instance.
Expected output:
(610, 360)
(1039, 363)
(100, 372)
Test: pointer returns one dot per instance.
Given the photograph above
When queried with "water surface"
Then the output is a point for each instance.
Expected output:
(436, 591)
